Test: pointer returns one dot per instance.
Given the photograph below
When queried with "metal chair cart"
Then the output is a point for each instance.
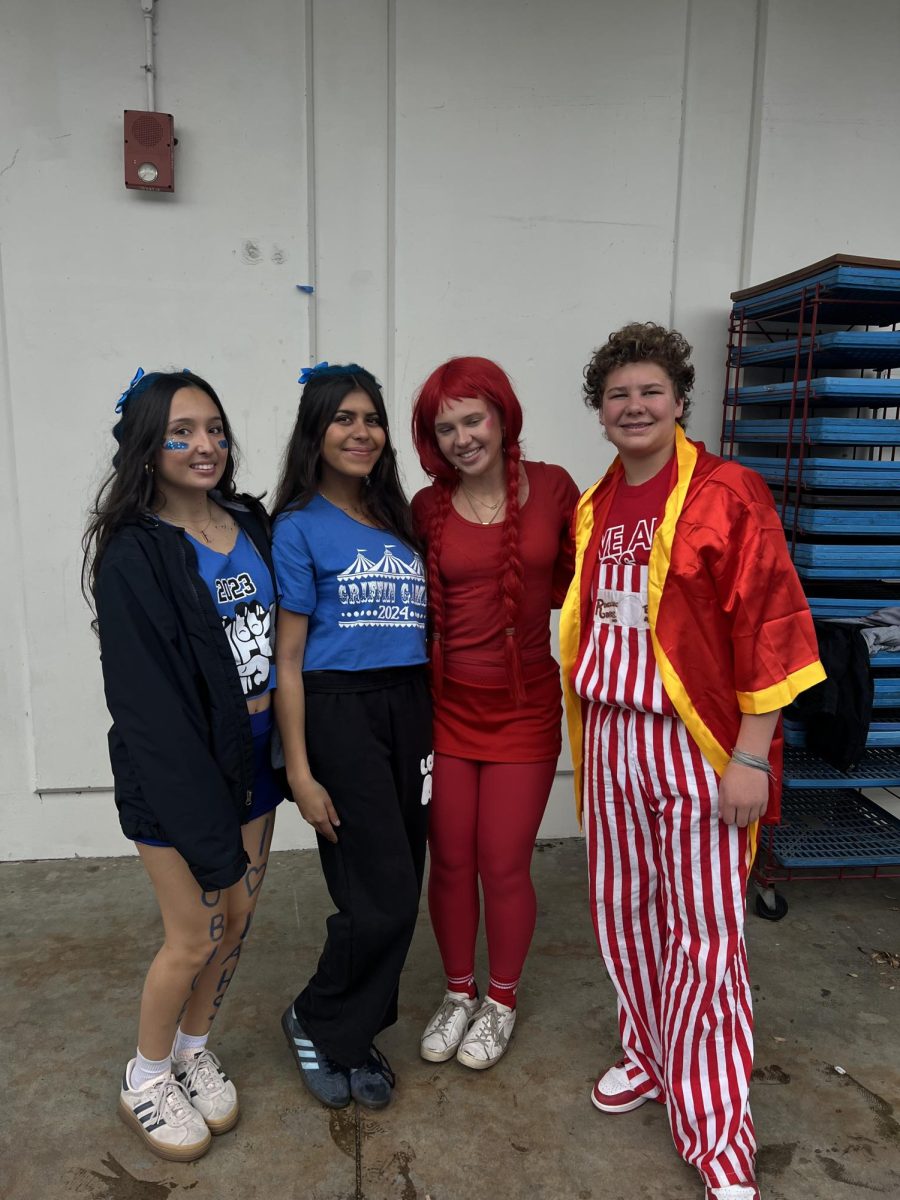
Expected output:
(810, 404)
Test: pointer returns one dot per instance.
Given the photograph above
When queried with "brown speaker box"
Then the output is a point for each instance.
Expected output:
(149, 151)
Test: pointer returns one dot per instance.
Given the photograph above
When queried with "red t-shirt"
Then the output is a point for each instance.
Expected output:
(633, 517)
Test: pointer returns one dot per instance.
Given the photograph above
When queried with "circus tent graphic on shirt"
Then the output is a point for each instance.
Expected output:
(389, 592)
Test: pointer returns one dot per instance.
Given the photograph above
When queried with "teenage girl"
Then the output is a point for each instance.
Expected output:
(499, 558)
(180, 571)
(354, 715)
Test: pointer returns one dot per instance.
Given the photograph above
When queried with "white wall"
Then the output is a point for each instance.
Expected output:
(504, 177)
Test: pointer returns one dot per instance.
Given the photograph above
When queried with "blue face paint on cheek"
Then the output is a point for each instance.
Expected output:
(170, 445)
(223, 445)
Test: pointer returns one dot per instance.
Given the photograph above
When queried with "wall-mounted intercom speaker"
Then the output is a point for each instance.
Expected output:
(149, 151)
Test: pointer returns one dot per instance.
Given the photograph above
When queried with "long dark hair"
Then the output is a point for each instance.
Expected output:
(301, 468)
(130, 488)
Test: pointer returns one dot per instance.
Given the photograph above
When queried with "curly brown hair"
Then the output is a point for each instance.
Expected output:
(641, 342)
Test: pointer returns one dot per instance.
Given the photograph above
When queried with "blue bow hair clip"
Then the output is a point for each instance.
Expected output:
(307, 373)
(324, 368)
(139, 375)
(133, 386)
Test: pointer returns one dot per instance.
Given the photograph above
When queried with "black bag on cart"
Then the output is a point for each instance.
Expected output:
(838, 710)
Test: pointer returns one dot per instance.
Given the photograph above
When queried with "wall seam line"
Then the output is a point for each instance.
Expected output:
(391, 209)
(312, 251)
(18, 540)
(676, 234)
(754, 138)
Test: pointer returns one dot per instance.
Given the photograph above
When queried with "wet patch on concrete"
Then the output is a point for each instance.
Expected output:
(886, 1123)
(776, 1158)
(836, 1171)
(398, 1171)
(117, 1183)
(772, 1074)
(344, 1130)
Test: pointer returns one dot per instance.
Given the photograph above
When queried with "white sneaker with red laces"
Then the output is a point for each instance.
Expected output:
(612, 1093)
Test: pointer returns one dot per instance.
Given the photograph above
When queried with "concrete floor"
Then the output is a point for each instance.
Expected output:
(78, 937)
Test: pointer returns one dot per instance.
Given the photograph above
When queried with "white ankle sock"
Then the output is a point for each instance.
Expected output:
(145, 1069)
(187, 1044)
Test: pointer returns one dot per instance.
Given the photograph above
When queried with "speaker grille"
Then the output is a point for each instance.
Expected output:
(147, 131)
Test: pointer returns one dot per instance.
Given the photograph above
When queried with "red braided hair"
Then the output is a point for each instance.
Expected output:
(458, 379)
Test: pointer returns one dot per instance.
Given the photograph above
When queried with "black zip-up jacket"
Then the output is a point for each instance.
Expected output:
(180, 745)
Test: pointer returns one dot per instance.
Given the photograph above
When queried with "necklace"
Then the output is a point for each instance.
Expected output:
(356, 511)
(494, 509)
(201, 529)
(483, 503)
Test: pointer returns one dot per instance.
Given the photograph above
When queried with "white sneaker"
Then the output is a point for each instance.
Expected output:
(488, 1036)
(210, 1090)
(445, 1030)
(161, 1113)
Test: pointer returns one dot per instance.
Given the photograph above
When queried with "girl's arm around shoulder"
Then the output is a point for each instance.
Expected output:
(565, 494)
(422, 506)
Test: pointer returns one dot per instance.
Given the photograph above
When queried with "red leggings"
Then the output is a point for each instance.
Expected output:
(484, 821)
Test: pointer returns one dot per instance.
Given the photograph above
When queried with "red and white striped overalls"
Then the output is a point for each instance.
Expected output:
(667, 883)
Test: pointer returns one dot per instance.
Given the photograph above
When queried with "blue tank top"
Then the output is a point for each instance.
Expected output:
(242, 591)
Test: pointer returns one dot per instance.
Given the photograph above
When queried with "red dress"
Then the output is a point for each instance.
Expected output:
(476, 717)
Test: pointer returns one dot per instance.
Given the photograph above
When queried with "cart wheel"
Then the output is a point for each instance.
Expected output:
(771, 905)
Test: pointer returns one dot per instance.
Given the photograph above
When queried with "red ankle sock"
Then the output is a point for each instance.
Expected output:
(503, 993)
(463, 985)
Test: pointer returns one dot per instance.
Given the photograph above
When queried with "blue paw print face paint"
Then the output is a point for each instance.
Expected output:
(223, 445)
(172, 445)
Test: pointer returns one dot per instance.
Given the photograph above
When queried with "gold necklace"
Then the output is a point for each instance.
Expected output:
(483, 503)
(495, 514)
(201, 529)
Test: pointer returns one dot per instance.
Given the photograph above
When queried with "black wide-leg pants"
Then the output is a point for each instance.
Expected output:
(368, 738)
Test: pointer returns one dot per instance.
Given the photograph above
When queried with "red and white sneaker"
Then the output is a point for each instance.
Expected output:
(612, 1093)
(734, 1191)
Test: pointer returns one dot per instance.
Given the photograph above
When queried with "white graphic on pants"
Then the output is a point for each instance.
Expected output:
(388, 593)
(249, 636)
(425, 766)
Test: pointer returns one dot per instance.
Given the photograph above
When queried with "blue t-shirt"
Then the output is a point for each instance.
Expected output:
(362, 589)
(241, 588)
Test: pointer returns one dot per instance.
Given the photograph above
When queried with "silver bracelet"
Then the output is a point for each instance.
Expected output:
(752, 760)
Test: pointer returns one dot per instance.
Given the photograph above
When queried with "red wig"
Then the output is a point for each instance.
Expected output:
(463, 379)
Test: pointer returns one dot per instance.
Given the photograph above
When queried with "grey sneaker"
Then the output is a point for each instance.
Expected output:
(163, 1116)
(209, 1089)
(328, 1081)
(445, 1030)
(371, 1084)
(488, 1036)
